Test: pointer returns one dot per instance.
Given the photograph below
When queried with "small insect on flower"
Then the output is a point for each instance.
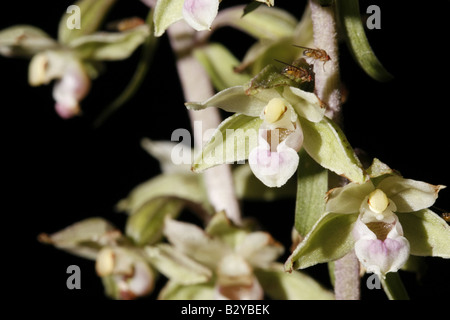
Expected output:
(446, 216)
(316, 54)
(125, 24)
(296, 72)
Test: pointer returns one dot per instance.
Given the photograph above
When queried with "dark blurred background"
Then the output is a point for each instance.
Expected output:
(62, 171)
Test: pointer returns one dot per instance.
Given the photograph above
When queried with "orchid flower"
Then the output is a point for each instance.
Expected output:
(124, 271)
(199, 14)
(384, 220)
(273, 158)
(72, 59)
(269, 127)
(223, 262)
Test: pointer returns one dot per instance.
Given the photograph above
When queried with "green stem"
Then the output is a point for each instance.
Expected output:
(349, 16)
(394, 288)
(142, 67)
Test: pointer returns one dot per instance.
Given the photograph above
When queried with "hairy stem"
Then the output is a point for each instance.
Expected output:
(327, 86)
(327, 81)
(197, 87)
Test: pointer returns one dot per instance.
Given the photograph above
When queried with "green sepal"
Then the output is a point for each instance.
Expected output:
(166, 13)
(24, 41)
(110, 45)
(262, 23)
(327, 145)
(312, 186)
(219, 63)
(223, 228)
(330, 239)
(232, 146)
(92, 15)
(349, 16)
(176, 291)
(189, 188)
(84, 238)
(427, 233)
(251, 7)
(176, 266)
(281, 285)
(145, 226)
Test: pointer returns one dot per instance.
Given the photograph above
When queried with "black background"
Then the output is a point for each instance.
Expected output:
(60, 171)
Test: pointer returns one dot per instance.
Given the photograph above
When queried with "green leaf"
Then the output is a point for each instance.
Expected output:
(393, 286)
(262, 23)
(110, 45)
(348, 13)
(326, 143)
(231, 142)
(176, 291)
(312, 186)
(330, 239)
(24, 41)
(219, 62)
(166, 13)
(427, 233)
(281, 285)
(248, 187)
(84, 238)
(92, 14)
(145, 226)
(176, 265)
(189, 188)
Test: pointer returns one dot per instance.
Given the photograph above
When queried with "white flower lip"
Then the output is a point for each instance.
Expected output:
(200, 14)
(275, 159)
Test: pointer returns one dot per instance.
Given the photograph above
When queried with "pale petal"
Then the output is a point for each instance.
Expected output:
(233, 269)
(273, 168)
(200, 14)
(253, 291)
(306, 104)
(71, 89)
(194, 242)
(409, 195)
(259, 249)
(381, 256)
(143, 280)
(348, 199)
